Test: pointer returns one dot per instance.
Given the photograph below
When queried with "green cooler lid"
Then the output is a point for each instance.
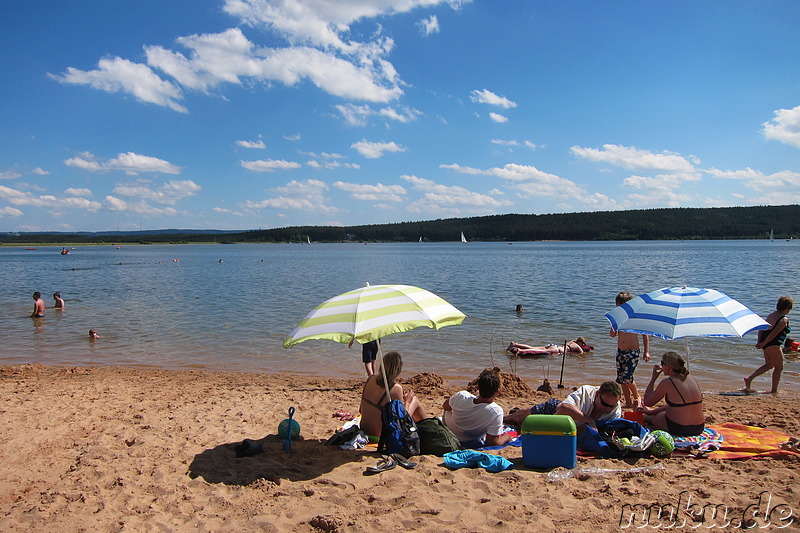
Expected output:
(548, 425)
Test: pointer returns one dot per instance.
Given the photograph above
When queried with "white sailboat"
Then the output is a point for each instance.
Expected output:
(309, 239)
(771, 237)
(463, 239)
(420, 239)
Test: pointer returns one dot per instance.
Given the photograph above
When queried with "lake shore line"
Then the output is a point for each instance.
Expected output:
(113, 448)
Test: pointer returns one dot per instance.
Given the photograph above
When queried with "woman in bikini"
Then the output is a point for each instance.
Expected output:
(771, 344)
(577, 346)
(373, 397)
(683, 415)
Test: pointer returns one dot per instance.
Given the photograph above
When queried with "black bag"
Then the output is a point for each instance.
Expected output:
(399, 431)
(435, 438)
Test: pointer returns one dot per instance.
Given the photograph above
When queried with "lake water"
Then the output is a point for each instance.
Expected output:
(179, 306)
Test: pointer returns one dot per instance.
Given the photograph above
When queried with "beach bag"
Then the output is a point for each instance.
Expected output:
(399, 431)
(605, 440)
(435, 438)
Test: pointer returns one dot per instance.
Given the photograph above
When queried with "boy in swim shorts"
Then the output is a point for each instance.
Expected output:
(369, 352)
(628, 357)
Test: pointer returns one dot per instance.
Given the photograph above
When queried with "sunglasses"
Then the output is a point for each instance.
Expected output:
(604, 404)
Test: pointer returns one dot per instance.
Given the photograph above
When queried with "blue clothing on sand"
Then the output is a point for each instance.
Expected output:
(462, 458)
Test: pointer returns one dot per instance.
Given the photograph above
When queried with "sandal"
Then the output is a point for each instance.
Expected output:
(386, 463)
(402, 461)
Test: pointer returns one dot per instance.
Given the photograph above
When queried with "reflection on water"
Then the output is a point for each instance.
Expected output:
(178, 306)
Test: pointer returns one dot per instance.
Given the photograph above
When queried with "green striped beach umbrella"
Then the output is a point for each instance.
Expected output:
(372, 312)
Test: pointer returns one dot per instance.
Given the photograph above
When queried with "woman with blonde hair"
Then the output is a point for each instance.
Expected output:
(373, 397)
(683, 415)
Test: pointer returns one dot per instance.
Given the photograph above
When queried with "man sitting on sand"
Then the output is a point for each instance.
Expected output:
(476, 420)
(578, 346)
(587, 406)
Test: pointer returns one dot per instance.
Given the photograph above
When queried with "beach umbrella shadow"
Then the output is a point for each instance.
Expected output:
(309, 459)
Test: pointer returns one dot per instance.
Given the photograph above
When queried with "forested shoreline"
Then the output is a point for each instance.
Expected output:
(644, 224)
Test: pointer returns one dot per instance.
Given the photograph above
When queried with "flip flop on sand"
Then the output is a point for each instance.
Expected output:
(402, 461)
(386, 463)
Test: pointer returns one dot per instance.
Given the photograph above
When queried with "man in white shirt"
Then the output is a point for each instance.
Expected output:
(587, 406)
(476, 420)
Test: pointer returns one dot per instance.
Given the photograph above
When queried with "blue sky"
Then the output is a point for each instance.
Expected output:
(245, 114)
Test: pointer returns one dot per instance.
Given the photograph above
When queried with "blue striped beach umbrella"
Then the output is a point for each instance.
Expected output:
(678, 312)
(372, 312)
(681, 312)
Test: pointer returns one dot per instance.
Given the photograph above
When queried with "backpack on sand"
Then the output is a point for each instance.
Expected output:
(399, 431)
(435, 438)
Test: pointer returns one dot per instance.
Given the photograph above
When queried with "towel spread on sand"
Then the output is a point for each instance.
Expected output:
(742, 442)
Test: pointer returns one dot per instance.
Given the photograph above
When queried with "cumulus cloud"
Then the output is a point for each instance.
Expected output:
(308, 195)
(9, 175)
(784, 127)
(259, 144)
(140, 207)
(488, 97)
(634, 158)
(72, 191)
(516, 144)
(17, 197)
(373, 193)
(269, 165)
(168, 193)
(450, 200)
(128, 162)
(429, 26)
(121, 75)
(10, 212)
(39, 172)
(782, 187)
(373, 150)
(496, 117)
(360, 115)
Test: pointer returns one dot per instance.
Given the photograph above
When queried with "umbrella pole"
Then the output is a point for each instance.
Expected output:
(686, 343)
(383, 373)
(563, 357)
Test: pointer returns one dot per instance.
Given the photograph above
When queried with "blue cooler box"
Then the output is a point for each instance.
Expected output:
(549, 441)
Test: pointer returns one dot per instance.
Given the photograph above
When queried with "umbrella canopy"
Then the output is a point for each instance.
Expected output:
(373, 312)
(678, 312)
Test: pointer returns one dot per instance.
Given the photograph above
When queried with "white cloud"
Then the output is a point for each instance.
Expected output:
(635, 159)
(10, 212)
(128, 162)
(450, 200)
(9, 175)
(429, 26)
(783, 186)
(372, 150)
(120, 75)
(226, 211)
(259, 144)
(17, 197)
(785, 127)
(39, 172)
(306, 195)
(140, 207)
(373, 193)
(72, 191)
(269, 165)
(294, 138)
(359, 115)
(488, 97)
(168, 193)
(500, 119)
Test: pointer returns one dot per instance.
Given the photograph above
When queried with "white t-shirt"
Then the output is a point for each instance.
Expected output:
(469, 421)
(583, 399)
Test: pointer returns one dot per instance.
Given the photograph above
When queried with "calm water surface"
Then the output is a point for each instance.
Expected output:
(198, 312)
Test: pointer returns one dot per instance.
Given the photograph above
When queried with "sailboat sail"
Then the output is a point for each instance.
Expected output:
(771, 237)
(420, 239)
(309, 239)
(463, 239)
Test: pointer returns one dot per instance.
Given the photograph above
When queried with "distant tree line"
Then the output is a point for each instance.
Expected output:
(644, 224)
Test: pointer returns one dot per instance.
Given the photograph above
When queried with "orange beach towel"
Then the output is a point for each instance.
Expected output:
(742, 442)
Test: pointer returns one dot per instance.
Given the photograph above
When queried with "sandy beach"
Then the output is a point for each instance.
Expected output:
(127, 449)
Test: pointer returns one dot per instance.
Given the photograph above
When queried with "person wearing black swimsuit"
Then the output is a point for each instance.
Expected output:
(771, 344)
(683, 415)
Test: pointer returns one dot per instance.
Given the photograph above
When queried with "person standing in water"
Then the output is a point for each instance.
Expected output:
(628, 357)
(771, 344)
(38, 305)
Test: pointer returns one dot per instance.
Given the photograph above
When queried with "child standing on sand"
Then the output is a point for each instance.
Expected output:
(628, 357)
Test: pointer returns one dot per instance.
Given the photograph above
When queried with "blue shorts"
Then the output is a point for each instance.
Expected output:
(369, 351)
(547, 408)
(627, 360)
